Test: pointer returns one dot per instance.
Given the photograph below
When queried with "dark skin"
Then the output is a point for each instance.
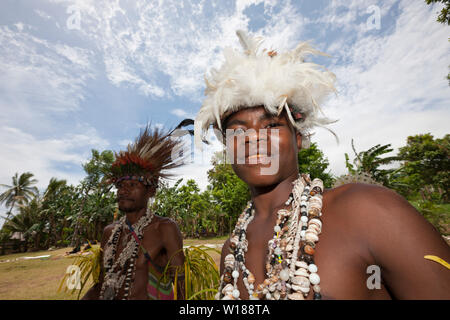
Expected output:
(363, 225)
(162, 240)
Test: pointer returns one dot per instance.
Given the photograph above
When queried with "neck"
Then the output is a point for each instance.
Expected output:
(134, 216)
(267, 200)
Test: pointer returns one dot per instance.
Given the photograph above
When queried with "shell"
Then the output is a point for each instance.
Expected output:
(299, 288)
(276, 295)
(301, 272)
(311, 236)
(251, 278)
(229, 261)
(300, 281)
(289, 247)
(228, 289)
(284, 274)
(314, 228)
(301, 264)
(314, 212)
(296, 296)
(315, 221)
(312, 268)
(314, 278)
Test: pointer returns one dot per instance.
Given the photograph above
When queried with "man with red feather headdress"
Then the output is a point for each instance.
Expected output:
(138, 247)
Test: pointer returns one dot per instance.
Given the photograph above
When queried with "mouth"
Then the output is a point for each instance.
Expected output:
(258, 159)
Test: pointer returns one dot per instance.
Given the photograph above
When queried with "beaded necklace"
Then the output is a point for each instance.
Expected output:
(290, 273)
(119, 272)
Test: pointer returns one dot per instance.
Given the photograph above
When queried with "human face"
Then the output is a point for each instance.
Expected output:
(265, 139)
(132, 195)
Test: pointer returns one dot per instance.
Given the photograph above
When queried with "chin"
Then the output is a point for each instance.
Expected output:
(252, 176)
(126, 208)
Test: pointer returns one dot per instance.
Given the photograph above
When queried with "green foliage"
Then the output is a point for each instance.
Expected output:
(201, 274)
(444, 16)
(230, 193)
(370, 161)
(436, 214)
(89, 264)
(193, 211)
(313, 161)
(426, 163)
(20, 192)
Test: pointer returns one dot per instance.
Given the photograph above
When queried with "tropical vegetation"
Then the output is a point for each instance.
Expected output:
(69, 215)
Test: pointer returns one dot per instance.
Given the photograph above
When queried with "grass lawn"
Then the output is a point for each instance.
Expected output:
(39, 279)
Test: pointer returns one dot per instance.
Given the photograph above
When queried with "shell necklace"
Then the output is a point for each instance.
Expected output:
(121, 270)
(290, 273)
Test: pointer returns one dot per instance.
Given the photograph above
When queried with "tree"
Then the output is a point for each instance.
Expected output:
(444, 16)
(313, 161)
(94, 195)
(25, 221)
(427, 165)
(21, 191)
(228, 192)
(52, 208)
(369, 162)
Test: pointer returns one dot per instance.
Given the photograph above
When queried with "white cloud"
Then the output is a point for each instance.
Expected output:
(393, 86)
(179, 113)
(23, 152)
(42, 14)
(39, 76)
(141, 41)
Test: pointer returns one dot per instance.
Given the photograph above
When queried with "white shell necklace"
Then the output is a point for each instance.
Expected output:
(121, 270)
(290, 267)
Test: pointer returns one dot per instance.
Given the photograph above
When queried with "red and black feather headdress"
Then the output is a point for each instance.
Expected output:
(149, 157)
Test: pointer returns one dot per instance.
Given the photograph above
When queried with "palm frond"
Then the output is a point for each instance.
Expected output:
(201, 274)
(89, 266)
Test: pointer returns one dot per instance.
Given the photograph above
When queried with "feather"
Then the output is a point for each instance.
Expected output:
(249, 44)
(248, 79)
(149, 156)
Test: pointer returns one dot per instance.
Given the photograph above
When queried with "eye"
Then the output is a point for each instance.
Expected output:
(239, 131)
(273, 125)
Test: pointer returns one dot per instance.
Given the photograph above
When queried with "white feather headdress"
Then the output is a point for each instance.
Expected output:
(278, 81)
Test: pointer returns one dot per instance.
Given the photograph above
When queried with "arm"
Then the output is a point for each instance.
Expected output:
(173, 243)
(225, 252)
(398, 238)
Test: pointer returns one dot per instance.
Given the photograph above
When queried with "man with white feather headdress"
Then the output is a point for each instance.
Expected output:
(373, 244)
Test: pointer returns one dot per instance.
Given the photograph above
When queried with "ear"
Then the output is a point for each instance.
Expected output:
(298, 136)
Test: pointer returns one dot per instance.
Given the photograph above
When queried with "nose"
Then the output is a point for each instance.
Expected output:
(122, 191)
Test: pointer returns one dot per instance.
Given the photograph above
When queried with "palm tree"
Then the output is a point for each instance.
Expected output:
(52, 208)
(26, 222)
(369, 162)
(21, 191)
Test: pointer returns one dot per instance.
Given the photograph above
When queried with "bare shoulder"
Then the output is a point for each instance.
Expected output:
(358, 201)
(378, 217)
(395, 234)
(164, 224)
(107, 231)
(361, 193)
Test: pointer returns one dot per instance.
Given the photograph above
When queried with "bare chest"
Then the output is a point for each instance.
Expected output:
(343, 263)
(138, 270)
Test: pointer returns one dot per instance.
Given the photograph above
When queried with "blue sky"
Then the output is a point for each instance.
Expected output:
(77, 75)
